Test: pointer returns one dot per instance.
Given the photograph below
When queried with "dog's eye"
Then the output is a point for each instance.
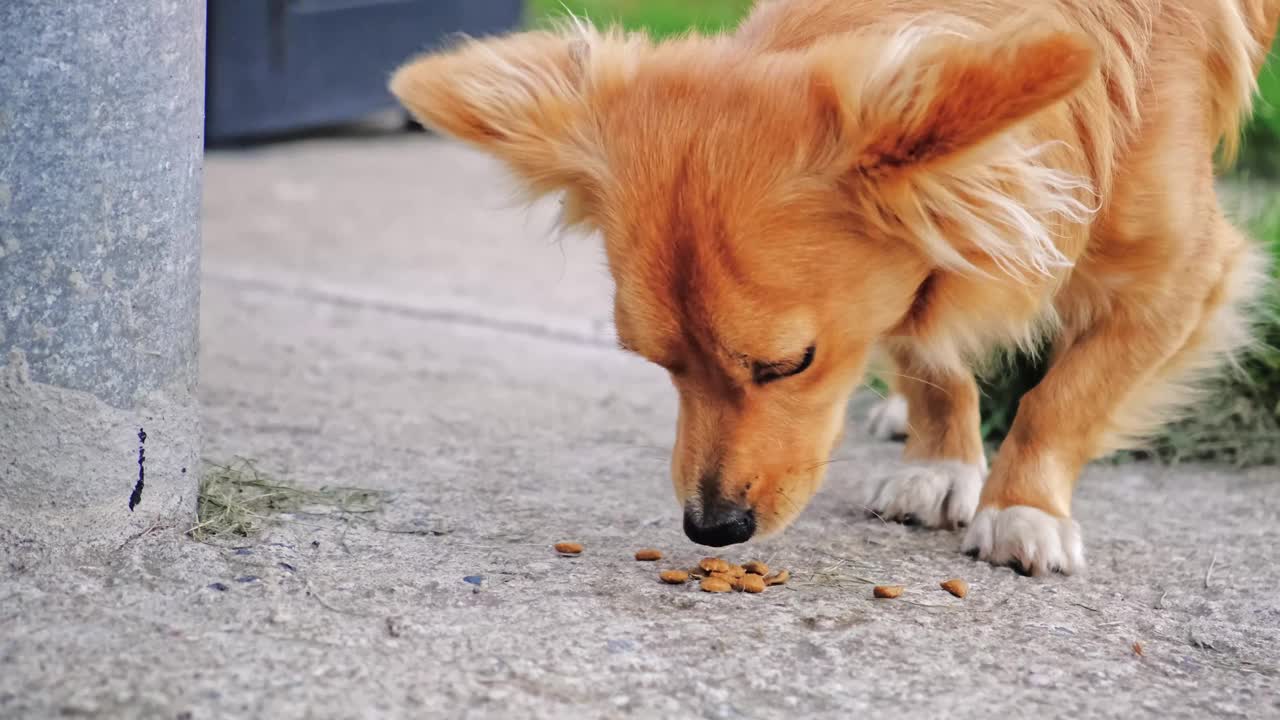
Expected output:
(764, 373)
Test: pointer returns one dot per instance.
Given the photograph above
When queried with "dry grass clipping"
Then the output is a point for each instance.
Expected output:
(238, 500)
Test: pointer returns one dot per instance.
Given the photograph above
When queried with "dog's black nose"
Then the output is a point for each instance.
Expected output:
(719, 525)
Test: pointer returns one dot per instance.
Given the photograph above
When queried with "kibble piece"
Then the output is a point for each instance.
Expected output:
(752, 583)
(887, 592)
(568, 548)
(674, 577)
(716, 585)
(737, 570)
(723, 576)
(756, 567)
(648, 554)
(714, 565)
(779, 578)
(956, 587)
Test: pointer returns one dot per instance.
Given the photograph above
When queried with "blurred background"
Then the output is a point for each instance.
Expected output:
(280, 68)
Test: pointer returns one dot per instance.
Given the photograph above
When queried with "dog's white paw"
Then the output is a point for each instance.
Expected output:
(1029, 540)
(887, 419)
(933, 494)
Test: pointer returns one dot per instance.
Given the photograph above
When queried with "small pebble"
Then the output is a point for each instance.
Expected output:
(674, 577)
(887, 592)
(648, 554)
(568, 548)
(247, 579)
(473, 579)
(220, 587)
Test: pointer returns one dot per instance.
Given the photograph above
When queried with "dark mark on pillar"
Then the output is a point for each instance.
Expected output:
(136, 497)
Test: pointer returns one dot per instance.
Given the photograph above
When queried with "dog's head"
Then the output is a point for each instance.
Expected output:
(768, 217)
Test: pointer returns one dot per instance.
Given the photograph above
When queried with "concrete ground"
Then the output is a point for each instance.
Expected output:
(377, 314)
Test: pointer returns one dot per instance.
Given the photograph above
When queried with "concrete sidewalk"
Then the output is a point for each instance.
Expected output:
(377, 314)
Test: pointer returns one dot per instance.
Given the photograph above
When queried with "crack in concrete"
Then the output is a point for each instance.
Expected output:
(417, 312)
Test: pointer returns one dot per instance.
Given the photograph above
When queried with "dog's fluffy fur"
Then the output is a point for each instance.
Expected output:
(931, 180)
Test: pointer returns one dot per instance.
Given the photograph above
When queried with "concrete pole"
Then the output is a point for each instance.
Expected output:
(101, 124)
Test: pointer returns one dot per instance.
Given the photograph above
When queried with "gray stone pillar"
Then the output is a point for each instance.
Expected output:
(101, 124)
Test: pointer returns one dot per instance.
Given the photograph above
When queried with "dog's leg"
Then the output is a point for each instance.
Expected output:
(938, 483)
(1024, 519)
(1118, 381)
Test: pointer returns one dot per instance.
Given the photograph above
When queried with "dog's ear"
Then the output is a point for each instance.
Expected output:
(526, 98)
(932, 95)
(929, 123)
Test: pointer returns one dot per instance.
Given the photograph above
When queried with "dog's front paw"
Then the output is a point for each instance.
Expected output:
(1029, 540)
(887, 419)
(933, 494)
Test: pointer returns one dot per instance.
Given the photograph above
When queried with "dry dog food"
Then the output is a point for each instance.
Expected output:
(568, 548)
(648, 554)
(887, 592)
(713, 565)
(715, 585)
(779, 578)
(727, 577)
(956, 587)
(718, 575)
(674, 577)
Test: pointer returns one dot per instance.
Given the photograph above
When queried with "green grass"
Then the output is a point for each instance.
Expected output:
(661, 18)
(1261, 155)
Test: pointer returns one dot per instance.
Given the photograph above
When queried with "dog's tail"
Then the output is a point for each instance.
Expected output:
(1242, 38)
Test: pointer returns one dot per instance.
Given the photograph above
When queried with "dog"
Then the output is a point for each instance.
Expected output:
(925, 181)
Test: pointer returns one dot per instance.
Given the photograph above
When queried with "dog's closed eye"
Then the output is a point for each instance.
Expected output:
(763, 373)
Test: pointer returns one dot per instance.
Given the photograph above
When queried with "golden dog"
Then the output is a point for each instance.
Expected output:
(925, 179)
